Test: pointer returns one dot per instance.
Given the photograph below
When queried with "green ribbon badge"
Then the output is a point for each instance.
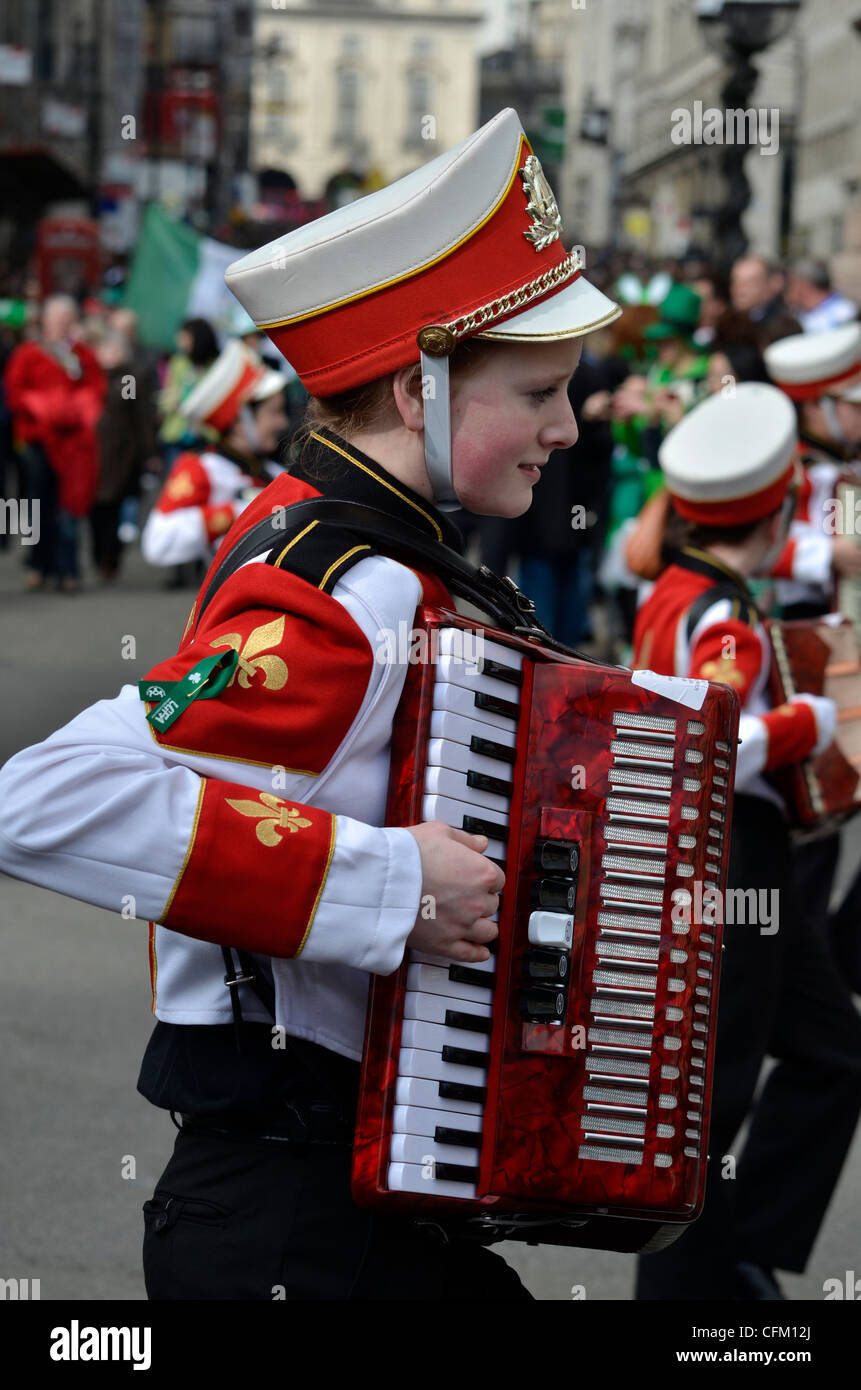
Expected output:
(205, 680)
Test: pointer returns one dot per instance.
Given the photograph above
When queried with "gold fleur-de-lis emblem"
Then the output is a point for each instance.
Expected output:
(179, 486)
(274, 817)
(541, 205)
(249, 663)
(725, 672)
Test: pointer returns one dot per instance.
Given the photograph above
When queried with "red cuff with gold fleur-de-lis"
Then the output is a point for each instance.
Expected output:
(254, 871)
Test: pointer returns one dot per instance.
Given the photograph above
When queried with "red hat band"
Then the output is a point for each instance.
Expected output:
(222, 417)
(810, 390)
(488, 277)
(734, 511)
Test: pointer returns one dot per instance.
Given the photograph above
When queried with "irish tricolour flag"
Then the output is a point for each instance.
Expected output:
(177, 274)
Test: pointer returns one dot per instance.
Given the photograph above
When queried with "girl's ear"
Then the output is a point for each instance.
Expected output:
(407, 391)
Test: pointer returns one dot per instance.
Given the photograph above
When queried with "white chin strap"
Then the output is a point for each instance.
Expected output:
(829, 410)
(437, 412)
(249, 424)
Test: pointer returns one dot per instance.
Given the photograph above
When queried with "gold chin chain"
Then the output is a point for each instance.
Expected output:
(497, 307)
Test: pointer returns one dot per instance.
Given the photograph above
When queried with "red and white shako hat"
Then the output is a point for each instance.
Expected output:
(469, 245)
(808, 366)
(731, 459)
(236, 377)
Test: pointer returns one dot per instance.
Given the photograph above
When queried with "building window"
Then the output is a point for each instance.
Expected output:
(349, 96)
(419, 104)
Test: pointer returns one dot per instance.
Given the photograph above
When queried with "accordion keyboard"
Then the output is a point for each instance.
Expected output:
(442, 1065)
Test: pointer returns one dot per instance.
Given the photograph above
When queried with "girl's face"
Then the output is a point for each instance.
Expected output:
(508, 414)
(720, 368)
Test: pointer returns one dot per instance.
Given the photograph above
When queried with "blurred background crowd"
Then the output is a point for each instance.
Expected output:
(92, 423)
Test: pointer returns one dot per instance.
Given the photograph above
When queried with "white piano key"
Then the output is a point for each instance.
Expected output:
(433, 1007)
(445, 752)
(417, 1092)
(453, 642)
(443, 781)
(460, 700)
(407, 1177)
(434, 1036)
(417, 1148)
(433, 979)
(448, 668)
(446, 724)
(416, 1061)
(421, 1119)
(423, 958)
(446, 808)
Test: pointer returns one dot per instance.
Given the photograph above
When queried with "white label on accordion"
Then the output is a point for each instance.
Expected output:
(684, 690)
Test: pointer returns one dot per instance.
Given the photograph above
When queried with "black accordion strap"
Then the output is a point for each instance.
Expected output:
(500, 598)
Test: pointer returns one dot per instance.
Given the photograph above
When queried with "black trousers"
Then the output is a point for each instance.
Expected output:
(780, 996)
(237, 1218)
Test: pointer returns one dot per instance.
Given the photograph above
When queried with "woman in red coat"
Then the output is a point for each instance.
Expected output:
(55, 391)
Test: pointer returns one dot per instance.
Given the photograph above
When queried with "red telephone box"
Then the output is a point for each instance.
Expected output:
(68, 256)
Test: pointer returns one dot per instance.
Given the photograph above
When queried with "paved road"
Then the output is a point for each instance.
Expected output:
(80, 1148)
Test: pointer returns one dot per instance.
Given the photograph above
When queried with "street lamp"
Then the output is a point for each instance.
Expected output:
(738, 29)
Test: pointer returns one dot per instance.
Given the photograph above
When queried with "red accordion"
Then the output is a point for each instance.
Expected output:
(558, 1092)
(820, 656)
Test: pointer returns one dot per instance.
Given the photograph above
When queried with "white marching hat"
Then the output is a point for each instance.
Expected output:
(469, 245)
(730, 460)
(809, 365)
(236, 377)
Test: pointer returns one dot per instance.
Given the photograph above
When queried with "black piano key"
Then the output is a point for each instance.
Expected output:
(455, 1172)
(464, 1056)
(489, 749)
(444, 1134)
(458, 1090)
(477, 825)
(494, 705)
(482, 782)
(465, 975)
(473, 1023)
(501, 673)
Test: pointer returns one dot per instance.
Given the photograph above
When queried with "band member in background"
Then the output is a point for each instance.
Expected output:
(728, 467)
(437, 324)
(242, 401)
(821, 374)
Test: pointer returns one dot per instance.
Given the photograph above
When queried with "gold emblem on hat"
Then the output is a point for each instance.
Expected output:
(436, 340)
(541, 205)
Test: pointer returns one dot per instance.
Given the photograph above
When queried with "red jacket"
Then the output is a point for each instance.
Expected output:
(59, 412)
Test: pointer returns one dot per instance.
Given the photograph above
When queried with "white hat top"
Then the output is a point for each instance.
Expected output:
(730, 446)
(805, 358)
(236, 376)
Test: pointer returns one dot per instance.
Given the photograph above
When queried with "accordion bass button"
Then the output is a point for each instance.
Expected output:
(557, 894)
(550, 967)
(557, 856)
(543, 1004)
(554, 929)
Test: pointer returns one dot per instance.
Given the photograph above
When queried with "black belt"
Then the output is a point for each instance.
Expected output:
(313, 1123)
